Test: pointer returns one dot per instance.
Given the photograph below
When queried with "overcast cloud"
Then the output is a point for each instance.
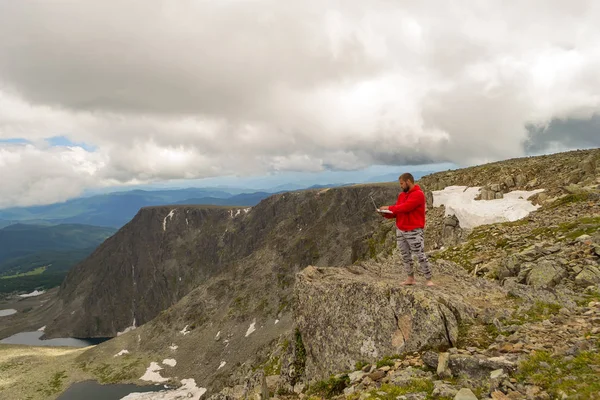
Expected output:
(191, 89)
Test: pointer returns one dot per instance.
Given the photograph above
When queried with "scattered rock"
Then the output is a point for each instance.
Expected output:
(442, 368)
(465, 394)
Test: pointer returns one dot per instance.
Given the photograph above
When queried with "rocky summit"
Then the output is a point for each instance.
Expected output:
(299, 297)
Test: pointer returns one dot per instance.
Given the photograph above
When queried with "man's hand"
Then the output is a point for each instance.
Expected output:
(384, 207)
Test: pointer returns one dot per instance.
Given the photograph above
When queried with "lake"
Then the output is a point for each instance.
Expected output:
(33, 339)
(92, 390)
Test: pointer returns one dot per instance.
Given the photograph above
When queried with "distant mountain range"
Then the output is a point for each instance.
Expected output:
(116, 209)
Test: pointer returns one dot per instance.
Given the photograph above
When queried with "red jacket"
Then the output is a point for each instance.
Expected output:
(409, 210)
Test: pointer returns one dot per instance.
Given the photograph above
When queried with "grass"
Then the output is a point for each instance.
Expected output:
(385, 362)
(329, 388)
(539, 312)
(28, 372)
(300, 357)
(477, 335)
(36, 271)
(128, 368)
(577, 378)
(360, 365)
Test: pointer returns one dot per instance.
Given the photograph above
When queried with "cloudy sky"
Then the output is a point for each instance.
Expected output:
(97, 93)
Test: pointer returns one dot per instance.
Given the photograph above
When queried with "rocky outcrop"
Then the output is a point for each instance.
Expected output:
(378, 317)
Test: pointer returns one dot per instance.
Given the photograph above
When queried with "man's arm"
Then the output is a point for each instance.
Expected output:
(414, 200)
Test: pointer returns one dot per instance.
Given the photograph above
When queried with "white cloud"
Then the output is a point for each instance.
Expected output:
(191, 89)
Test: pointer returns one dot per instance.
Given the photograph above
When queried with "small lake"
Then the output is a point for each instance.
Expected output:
(5, 313)
(33, 339)
(92, 390)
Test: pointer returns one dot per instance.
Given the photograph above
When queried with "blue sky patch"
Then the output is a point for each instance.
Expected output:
(64, 141)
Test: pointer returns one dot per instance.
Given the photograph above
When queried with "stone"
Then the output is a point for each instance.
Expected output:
(356, 376)
(465, 394)
(273, 382)
(443, 389)
(587, 239)
(545, 274)
(495, 187)
(509, 182)
(430, 358)
(478, 367)
(589, 165)
(377, 315)
(349, 390)
(498, 395)
(590, 275)
(499, 195)
(521, 180)
(377, 375)
(451, 220)
(497, 374)
(366, 368)
(575, 176)
(442, 368)
(531, 253)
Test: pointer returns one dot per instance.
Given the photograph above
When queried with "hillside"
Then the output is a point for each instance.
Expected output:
(21, 240)
(299, 296)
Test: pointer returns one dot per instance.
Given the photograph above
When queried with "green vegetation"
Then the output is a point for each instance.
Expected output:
(391, 392)
(36, 271)
(30, 283)
(55, 384)
(570, 198)
(539, 312)
(300, 356)
(385, 362)
(360, 365)
(129, 368)
(331, 387)
(575, 377)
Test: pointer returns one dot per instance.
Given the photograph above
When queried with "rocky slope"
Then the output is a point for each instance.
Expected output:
(230, 326)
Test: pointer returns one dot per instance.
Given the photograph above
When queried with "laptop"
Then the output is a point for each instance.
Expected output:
(377, 208)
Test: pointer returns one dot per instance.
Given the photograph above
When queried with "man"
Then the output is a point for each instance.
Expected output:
(409, 211)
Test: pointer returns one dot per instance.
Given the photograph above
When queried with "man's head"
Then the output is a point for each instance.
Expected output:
(407, 181)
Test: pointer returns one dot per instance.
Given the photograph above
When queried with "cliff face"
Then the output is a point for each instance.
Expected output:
(165, 252)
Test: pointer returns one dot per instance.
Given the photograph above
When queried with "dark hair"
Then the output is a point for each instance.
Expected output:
(407, 177)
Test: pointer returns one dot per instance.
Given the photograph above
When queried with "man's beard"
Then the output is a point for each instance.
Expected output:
(406, 189)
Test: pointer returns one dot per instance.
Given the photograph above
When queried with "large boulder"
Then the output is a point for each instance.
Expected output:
(346, 315)
(546, 274)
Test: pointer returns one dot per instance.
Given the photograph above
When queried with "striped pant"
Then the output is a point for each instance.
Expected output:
(409, 243)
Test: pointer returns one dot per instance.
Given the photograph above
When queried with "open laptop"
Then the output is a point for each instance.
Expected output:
(377, 208)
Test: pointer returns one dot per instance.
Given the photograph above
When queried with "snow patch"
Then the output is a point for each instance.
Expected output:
(218, 335)
(128, 329)
(171, 362)
(251, 328)
(33, 294)
(42, 329)
(246, 210)
(184, 331)
(152, 374)
(169, 216)
(221, 365)
(460, 201)
(7, 312)
(188, 390)
(121, 353)
(173, 346)
(276, 321)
